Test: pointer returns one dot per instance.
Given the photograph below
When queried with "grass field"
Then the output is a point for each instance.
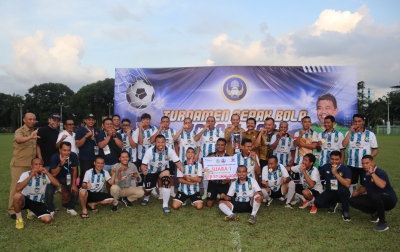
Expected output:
(149, 229)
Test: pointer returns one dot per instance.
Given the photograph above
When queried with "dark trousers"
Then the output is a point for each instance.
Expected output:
(329, 198)
(85, 165)
(50, 190)
(377, 202)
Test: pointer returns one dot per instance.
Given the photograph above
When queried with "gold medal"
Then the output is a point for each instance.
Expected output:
(92, 138)
(322, 140)
(270, 170)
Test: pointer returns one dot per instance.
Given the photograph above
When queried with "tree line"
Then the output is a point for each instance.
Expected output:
(47, 98)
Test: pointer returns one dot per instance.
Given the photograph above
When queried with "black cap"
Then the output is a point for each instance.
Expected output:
(55, 116)
(90, 116)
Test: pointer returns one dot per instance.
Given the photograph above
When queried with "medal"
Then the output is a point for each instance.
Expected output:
(92, 138)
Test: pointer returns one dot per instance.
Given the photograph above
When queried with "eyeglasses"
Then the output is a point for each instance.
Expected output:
(210, 121)
(126, 125)
(69, 124)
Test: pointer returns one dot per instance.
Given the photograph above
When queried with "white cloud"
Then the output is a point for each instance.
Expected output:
(209, 62)
(372, 48)
(34, 63)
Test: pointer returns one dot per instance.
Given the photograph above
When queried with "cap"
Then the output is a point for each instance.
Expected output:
(90, 116)
(55, 116)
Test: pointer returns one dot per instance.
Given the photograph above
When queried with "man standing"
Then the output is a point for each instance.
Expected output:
(46, 143)
(85, 141)
(282, 145)
(30, 191)
(380, 195)
(24, 151)
(277, 182)
(217, 187)
(64, 167)
(263, 141)
(248, 158)
(233, 136)
(208, 137)
(155, 167)
(338, 180)
(361, 142)
(251, 134)
(129, 139)
(310, 182)
(248, 197)
(126, 171)
(91, 194)
(185, 137)
(116, 119)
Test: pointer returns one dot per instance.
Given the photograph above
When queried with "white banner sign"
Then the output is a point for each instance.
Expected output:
(219, 168)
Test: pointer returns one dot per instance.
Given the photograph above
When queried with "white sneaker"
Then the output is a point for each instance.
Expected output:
(52, 214)
(184, 203)
(72, 212)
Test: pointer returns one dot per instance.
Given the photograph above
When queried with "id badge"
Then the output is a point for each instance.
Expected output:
(106, 150)
(96, 150)
(334, 184)
(68, 179)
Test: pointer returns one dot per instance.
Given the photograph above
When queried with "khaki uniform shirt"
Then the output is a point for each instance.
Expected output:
(229, 148)
(265, 150)
(23, 152)
(252, 135)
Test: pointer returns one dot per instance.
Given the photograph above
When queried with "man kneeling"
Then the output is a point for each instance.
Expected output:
(31, 188)
(189, 181)
(91, 194)
(248, 197)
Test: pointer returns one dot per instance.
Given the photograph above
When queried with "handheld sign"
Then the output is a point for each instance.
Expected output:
(219, 168)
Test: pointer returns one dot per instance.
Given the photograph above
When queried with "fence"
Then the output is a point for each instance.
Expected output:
(382, 129)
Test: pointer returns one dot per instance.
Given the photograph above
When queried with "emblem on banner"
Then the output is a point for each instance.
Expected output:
(234, 88)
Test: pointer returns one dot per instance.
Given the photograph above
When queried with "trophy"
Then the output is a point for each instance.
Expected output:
(236, 138)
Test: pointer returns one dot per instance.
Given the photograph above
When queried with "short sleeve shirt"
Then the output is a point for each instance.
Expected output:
(70, 139)
(311, 135)
(86, 151)
(193, 170)
(331, 141)
(186, 140)
(326, 173)
(283, 149)
(360, 144)
(146, 134)
(274, 178)
(244, 191)
(250, 163)
(23, 152)
(96, 180)
(66, 168)
(369, 183)
(208, 141)
(158, 161)
(314, 175)
(36, 188)
(127, 145)
(112, 157)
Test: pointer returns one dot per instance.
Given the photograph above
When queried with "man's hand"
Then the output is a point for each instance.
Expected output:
(355, 194)
(140, 126)
(136, 175)
(63, 137)
(34, 134)
(63, 160)
(252, 155)
(74, 188)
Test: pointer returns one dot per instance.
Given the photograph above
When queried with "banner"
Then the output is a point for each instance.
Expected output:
(285, 93)
(219, 168)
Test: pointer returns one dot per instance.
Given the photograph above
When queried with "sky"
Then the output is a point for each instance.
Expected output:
(80, 42)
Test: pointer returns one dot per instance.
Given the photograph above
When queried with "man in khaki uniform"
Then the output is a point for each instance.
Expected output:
(24, 151)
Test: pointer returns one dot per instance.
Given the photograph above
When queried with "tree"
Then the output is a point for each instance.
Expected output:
(46, 98)
(362, 99)
(93, 98)
(9, 110)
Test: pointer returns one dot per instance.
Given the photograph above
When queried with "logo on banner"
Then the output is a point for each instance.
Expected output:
(235, 88)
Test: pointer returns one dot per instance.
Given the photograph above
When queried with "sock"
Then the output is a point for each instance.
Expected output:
(256, 205)
(225, 209)
(19, 215)
(301, 197)
(265, 194)
(291, 192)
(172, 190)
(205, 186)
(165, 193)
(154, 192)
(312, 201)
(146, 198)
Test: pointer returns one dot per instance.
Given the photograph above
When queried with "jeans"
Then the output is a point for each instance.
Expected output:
(329, 198)
(50, 190)
(377, 202)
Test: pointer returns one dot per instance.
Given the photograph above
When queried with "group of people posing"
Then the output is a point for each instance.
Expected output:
(118, 165)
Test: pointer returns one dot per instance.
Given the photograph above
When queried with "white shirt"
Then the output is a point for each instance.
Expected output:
(314, 175)
(274, 178)
(142, 148)
(360, 144)
(36, 188)
(127, 145)
(158, 161)
(283, 149)
(96, 180)
(193, 170)
(332, 142)
(208, 141)
(248, 162)
(169, 137)
(244, 192)
(186, 140)
(312, 134)
(70, 139)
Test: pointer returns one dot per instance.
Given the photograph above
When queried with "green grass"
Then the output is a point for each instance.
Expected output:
(149, 229)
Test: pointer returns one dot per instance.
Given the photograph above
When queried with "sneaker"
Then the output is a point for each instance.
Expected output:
(232, 217)
(288, 206)
(155, 195)
(166, 210)
(184, 203)
(19, 224)
(305, 204)
(374, 218)
(128, 203)
(252, 220)
(346, 216)
(13, 216)
(144, 202)
(264, 200)
(269, 202)
(52, 214)
(114, 208)
(333, 209)
(281, 199)
(382, 226)
(295, 201)
(124, 201)
(313, 210)
(204, 197)
(30, 215)
(72, 212)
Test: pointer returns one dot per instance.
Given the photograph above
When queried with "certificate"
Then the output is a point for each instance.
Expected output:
(219, 168)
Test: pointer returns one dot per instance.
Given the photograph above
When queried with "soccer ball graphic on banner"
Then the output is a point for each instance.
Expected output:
(140, 94)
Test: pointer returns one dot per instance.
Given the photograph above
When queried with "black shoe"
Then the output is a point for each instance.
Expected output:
(125, 201)
(13, 216)
(128, 203)
(346, 216)
(65, 205)
(333, 209)
(374, 218)
(114, 208)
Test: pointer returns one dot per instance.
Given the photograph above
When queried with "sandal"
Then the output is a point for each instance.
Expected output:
(84, 215)
(92, 209)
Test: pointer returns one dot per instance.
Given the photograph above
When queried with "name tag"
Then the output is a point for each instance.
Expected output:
(106, 150)
(96, 150)
(334, 184)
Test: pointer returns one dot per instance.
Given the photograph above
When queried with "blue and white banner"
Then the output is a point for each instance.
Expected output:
(283, 93)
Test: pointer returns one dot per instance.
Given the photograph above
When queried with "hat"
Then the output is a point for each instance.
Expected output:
(55, 116)
(90, 116)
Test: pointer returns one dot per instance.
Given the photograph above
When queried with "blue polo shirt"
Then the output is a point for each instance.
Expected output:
(66, 167)
(326, 173)
(369, 183)
(111, 158)
(86, 151)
